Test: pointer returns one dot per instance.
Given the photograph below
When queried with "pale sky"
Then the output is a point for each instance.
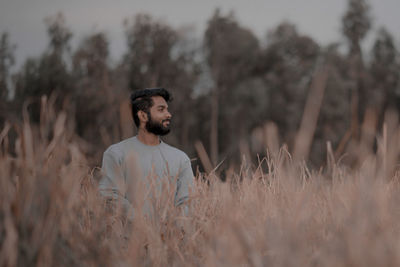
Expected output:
(320, 19)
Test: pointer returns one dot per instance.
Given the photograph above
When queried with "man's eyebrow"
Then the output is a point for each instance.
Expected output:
(162, 105)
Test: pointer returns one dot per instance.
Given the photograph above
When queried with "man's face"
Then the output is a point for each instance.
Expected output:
(159, 117)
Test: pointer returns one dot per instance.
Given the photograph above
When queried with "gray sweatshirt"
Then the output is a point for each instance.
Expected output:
(130, 168)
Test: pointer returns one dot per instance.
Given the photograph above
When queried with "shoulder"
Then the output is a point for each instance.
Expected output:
(176, 152)
(118, 149)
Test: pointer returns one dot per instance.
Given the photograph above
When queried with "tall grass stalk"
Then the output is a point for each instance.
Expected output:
(51, 213)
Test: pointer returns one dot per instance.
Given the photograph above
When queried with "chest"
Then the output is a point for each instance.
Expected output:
(156, 163)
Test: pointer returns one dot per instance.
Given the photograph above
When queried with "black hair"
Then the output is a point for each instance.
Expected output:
(141, 100)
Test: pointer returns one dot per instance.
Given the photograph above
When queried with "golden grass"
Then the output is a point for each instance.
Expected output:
(51, 214)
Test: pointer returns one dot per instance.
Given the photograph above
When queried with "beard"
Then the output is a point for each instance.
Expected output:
(157, 128)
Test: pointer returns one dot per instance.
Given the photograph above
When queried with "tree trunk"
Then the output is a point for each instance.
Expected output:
(214, 127)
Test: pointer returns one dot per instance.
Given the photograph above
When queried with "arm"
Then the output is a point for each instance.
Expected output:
(184, 182)
(112, 185)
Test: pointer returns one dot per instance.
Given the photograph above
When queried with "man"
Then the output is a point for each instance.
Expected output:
(134, 165)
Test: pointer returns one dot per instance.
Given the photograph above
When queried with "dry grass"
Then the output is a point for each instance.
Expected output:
(51, 214)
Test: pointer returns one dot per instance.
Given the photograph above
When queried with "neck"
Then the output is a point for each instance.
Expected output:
(147, 138)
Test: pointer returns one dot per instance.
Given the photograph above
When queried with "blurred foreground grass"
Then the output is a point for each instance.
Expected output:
(51, 214)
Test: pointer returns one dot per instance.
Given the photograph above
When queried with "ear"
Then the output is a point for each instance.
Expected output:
(142, 116)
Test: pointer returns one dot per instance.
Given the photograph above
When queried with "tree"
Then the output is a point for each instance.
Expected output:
(59, 34)
(287, 66)
(95, 100)
(49, 73)
(384, 69)
(159, 55)
(91, 58)
(231, 53)
(148, 59)
(334, 118)
(6, 61)
(356, 23)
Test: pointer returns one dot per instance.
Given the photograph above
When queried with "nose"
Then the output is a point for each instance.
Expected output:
(169, 116)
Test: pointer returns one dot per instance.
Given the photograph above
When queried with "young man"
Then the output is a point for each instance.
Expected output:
(144, 160)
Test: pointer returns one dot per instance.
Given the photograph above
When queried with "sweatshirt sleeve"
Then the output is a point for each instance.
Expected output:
(112, 185)
(184, 182)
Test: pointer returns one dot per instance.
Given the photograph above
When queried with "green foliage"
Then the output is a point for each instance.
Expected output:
(7, 60)
(91, 58)
(148, 59)
(59, 34)
(287, 65)
(249, 82)
(159, 55)
(385, 67)
(334, 117)
(49, 73)
(356, 23)
(231, 50)
(94, 99)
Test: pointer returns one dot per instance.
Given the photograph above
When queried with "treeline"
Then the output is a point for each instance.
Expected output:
(225, 86)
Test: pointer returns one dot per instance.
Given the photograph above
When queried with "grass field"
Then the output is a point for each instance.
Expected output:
(51, 214)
